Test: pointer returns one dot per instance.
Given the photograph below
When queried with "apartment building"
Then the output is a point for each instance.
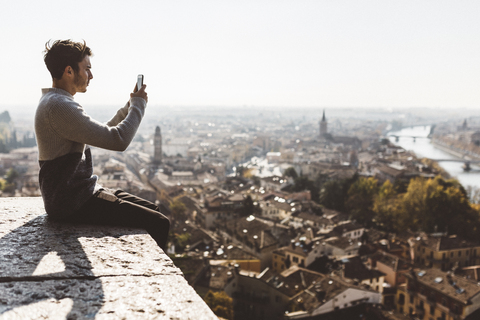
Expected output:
(445, 252)
(439, 295)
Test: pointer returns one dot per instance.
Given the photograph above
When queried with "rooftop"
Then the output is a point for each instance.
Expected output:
(456, 287)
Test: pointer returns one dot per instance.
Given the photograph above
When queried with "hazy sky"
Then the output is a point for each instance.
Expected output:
(256, 53)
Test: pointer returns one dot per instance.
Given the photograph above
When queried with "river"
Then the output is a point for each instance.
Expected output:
(424, 149)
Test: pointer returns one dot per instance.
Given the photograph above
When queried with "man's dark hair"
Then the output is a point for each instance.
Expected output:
(63, 53)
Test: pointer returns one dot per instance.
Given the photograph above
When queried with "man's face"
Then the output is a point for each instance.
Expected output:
(83, 76)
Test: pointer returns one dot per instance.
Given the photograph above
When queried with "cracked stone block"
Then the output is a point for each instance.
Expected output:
(51, 270)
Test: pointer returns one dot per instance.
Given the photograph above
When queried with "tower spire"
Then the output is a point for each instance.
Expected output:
(323, 126)
(157, 143)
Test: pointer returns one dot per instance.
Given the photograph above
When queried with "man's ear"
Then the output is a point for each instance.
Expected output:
(68, 71)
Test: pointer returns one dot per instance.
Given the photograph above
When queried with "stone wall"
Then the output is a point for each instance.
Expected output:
(50, 270)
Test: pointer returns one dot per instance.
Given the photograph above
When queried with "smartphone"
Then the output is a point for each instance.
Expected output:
(139, 81)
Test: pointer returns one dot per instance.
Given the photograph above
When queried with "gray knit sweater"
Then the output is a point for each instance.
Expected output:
(63, 130)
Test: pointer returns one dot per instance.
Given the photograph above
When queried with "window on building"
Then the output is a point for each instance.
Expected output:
(456, 309)
(451, 254)
(459, 253)
(412, 297)
(432, 310)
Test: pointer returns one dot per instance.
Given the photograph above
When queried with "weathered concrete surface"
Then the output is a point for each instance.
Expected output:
(50, 270)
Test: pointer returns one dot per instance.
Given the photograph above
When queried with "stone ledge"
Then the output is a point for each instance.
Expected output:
(53, 270)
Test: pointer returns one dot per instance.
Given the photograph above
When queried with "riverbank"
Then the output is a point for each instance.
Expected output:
(459, 149)
(447, 149)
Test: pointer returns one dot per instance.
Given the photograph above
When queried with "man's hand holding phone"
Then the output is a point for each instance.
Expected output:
(139, 90)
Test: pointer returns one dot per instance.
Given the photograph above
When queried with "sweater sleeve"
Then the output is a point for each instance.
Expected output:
(71, 122)
(119, 116)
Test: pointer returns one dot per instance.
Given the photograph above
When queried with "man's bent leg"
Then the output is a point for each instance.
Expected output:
(137, 200)
(105, 208)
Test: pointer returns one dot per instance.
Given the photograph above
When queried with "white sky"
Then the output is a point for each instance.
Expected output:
(261, 53)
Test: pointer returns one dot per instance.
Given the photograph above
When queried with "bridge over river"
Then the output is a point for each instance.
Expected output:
(466, 163)
(397, 137)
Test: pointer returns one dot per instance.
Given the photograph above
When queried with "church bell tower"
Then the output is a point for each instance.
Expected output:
(157, 143)
(323, 126)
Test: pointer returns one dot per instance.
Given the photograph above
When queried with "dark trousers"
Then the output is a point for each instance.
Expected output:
(119, 208)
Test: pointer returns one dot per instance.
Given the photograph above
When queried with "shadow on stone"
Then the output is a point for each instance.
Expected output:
(31, 270)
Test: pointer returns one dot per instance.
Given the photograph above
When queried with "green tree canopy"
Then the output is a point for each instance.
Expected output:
(360, 200)
(178, 208)
(388, 207)
(439, 205)
(220, 303)
(11, 175)
(334, 193)
(290, 172)
(248, 207)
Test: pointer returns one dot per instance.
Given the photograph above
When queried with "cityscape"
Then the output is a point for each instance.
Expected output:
(302, 213)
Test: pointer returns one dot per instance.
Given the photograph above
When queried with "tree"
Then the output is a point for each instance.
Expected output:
(360, 199)
(220, 303)
(388, 207)
(181, 241)
(290, 172)
(303, 183)
(334, 193)
(178, 209)
(11, 175)
(248, 207)
(440, 205)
